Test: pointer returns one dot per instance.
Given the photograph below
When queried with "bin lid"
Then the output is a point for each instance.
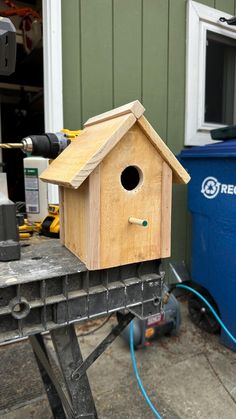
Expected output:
(219, 149)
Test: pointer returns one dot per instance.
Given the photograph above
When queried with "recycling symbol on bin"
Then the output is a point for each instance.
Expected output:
(210, 187)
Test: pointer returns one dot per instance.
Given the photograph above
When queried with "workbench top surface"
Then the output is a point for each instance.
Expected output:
(42, 259)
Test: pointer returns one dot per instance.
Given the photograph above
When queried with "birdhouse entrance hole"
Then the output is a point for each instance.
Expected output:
(131, 177)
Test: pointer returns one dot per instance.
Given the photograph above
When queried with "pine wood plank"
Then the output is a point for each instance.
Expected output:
(80, 158)
(76, 220)
(179, 173)
(136, 108)
(61, 214)
(166, 202)
(93, 239)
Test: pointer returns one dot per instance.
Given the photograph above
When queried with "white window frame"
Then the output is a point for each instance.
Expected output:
(52, 68)
(200, 18)
(52, 64)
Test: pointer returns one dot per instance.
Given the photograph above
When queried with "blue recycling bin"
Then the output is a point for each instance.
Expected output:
(212, 202)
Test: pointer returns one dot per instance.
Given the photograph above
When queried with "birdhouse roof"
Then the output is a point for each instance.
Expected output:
(99, 136)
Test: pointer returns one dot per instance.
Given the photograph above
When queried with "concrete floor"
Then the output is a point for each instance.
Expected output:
(187, 377)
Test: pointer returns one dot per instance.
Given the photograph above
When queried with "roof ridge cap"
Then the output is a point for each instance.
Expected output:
(135, 107)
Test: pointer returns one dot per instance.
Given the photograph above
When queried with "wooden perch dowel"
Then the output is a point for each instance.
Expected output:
(138, 221)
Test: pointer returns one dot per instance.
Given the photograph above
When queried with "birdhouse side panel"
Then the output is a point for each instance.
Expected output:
(131, 194)
(166, 206)
(93, 217)
(61, 213)
(75, 220)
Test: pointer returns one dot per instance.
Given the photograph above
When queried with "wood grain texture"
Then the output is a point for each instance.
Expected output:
(122, 242)
(93, 211)
(81, 157)
(179, 173)
(166, 203)
(136, 108)
(76, 220)
(61, 214)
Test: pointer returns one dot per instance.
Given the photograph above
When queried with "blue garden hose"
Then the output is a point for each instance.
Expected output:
(210, 307)
(143, 391)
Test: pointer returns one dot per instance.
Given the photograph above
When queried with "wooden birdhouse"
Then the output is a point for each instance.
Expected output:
(115, 190)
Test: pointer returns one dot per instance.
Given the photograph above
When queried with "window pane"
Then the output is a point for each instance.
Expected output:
(220, 79)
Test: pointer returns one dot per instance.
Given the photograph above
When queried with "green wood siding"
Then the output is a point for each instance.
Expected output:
(116, 51)
(155, 63)
(71, 50)
(127, 50)
(225, 5)
(96, 56)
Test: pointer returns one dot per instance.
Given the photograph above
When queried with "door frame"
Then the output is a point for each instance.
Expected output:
(52, 64)
(52, 69)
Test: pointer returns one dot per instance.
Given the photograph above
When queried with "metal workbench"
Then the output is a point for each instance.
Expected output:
(49, 289)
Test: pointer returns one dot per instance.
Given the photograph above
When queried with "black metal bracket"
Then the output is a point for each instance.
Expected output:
(231, 21)
(81, 369)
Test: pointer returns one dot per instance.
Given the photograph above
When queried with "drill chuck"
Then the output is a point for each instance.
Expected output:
(45, 145)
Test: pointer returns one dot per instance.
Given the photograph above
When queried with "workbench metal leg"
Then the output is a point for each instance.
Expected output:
(42, 358)
(53, 398)
(80, 404)
(69, 356)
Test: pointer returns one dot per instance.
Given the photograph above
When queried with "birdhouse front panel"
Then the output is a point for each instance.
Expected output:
(131, 187)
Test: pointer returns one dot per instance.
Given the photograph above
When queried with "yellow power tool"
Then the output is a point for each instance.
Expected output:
(49, 146)
(50, 226)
